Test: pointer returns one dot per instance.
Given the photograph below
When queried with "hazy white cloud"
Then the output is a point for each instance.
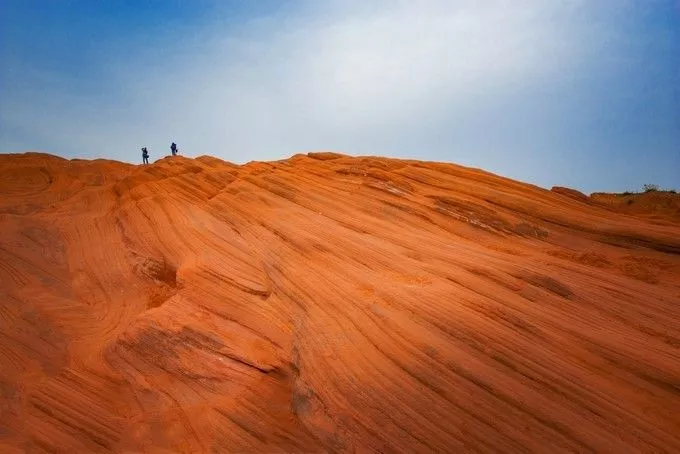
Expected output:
(277, 86)
(433, 79)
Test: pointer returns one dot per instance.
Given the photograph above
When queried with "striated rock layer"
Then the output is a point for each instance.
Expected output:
(327, 303)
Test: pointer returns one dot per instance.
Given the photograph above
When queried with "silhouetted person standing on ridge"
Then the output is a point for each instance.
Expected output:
(145, 155)
(173, 149)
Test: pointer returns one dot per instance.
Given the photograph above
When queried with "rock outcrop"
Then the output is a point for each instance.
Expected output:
(328, 303)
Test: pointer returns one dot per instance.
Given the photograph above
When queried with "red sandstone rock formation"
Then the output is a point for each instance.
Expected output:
(328, 304)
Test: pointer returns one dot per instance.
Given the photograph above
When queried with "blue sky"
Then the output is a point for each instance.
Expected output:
(576, 93)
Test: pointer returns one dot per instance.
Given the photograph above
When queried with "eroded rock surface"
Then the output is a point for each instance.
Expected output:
(328, 304)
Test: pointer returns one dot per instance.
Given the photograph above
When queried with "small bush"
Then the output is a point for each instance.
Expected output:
(650, 188)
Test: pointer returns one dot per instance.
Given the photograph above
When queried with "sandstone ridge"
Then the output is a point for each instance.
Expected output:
(328, 303)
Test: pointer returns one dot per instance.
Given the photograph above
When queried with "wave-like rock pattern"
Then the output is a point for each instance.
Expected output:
(328, 303)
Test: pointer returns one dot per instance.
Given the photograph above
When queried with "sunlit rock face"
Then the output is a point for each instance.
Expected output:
(328, 303)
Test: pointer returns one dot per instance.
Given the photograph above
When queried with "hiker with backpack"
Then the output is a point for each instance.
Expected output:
(145, 155)
(173, 149)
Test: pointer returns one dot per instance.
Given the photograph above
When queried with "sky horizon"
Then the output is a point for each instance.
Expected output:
(564, 93)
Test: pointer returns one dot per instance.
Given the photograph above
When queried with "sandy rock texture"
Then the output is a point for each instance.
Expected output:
(327, 303)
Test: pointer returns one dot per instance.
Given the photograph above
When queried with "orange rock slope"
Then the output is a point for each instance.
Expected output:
(328, 303)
